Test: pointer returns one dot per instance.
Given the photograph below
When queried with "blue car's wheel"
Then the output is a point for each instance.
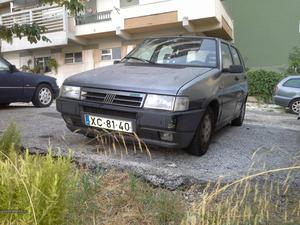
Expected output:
(43, 96)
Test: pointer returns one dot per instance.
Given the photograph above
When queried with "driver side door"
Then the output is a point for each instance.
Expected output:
(11, 84)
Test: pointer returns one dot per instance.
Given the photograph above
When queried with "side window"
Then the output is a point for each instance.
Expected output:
(295, 83)
(236, 57)
(3, 66)
(226, 56)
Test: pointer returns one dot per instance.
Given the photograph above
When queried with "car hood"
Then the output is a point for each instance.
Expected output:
(157, 79)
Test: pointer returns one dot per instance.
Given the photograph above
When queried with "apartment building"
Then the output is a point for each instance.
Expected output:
(106, 30)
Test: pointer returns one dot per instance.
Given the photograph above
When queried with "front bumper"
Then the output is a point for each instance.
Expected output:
(149, 124)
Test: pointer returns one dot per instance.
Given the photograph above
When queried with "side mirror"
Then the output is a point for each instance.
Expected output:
(117, 61)
(235, 69)
(12, 68)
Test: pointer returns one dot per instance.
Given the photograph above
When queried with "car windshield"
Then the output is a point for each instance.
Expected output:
(176, 51)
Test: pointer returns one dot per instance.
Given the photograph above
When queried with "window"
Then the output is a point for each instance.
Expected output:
(226, 56)
(178, 51)
(294, 82)
(73, 57)
(3, 66)
(43, 64)
(236, 57)
(111, 54)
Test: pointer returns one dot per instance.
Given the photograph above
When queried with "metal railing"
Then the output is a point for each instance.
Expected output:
(52, 17)
(94, 18)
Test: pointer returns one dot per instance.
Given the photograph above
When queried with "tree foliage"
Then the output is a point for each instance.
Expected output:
(33, 31)
(294, 61)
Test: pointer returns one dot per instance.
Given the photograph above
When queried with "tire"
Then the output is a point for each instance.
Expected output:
(201, 141)
(294, 106)
(239, 121)
(43, 96)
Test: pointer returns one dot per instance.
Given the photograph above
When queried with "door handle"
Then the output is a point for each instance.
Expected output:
(236, 78)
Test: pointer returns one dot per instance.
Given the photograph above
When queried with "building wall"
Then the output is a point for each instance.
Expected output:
(265, 30)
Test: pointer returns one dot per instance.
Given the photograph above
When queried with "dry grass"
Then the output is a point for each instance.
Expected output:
(268, 197)
(121, 198)
(114, 142)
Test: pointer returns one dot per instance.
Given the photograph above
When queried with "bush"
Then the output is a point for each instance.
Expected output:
(39, 188)
(262, 83)
(10, 140)
(294, 61)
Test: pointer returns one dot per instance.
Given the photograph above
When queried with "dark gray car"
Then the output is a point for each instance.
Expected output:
(172, 92)
(287, 93)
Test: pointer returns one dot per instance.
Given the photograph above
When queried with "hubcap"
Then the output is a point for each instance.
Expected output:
(296, 106)
(45, 96)
(206, 128)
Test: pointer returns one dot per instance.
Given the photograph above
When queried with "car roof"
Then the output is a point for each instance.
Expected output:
(292, 76)
(191, 37)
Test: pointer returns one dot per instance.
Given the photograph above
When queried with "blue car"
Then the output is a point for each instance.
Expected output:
(16, 86)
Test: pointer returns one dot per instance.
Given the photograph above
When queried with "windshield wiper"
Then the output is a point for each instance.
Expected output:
(139, 59)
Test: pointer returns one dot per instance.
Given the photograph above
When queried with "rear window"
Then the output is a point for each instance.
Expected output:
(295, 83)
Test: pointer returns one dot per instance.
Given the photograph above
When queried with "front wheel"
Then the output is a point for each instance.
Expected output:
(201, 141)
(43, 96)
(294, 106)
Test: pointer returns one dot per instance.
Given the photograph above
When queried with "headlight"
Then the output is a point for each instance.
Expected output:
(165, 102)
(70, 92)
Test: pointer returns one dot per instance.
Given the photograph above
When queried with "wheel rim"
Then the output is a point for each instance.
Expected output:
(206, 127)
(296, 106)
(45, 96)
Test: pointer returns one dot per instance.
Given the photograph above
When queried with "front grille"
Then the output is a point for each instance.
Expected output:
(108, 112)
(120, 98)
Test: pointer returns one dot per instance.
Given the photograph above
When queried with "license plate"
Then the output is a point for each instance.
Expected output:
(108, 123)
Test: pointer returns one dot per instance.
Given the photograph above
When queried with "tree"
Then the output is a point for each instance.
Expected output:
(33, 31)
(294, 61)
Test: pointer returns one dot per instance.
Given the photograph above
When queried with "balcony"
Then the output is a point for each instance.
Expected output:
(94, 18)
(53, 18)
(210, 18)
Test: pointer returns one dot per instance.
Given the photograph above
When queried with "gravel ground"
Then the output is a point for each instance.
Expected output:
(274, 136)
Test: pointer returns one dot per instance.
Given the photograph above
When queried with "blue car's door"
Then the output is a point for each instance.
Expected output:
(11, 84)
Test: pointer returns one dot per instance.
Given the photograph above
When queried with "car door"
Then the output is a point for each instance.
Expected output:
(240, 78)
(229, 85)
(11, 84)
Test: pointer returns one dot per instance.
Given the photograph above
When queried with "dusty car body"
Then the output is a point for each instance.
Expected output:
(287, 94)
(172, 92)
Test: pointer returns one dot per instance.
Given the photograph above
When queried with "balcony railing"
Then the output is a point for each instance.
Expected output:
(94, 18)
(51, 17)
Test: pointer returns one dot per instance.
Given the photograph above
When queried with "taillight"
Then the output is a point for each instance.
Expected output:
(276, 89)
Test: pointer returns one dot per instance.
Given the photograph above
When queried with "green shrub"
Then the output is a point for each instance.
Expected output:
(40, 187)
(262, 83)
(10, 140)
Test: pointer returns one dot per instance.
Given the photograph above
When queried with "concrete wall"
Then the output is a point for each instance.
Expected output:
(265, 30)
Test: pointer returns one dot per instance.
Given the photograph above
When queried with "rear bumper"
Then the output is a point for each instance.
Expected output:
(282, 101)
(149, 124)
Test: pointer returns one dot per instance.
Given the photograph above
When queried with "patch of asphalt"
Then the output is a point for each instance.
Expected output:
(273, 137)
